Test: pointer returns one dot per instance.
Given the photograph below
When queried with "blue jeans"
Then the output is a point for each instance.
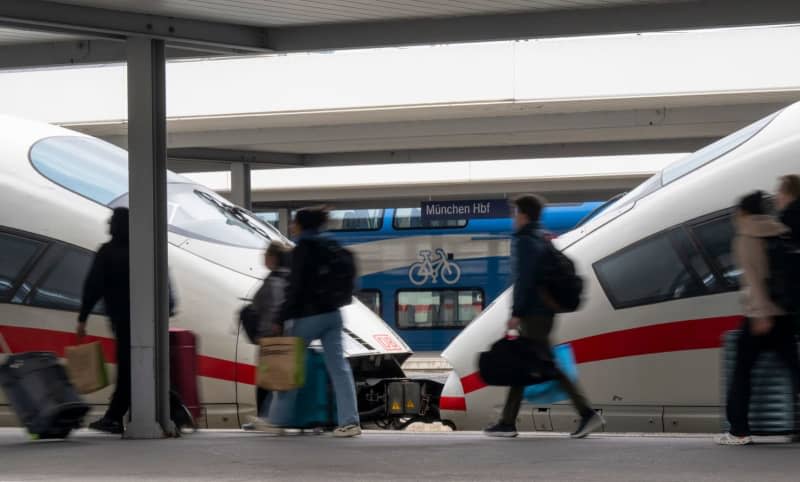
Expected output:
(327, 328)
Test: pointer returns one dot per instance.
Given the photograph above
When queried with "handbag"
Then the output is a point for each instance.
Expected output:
(515, 362)
(86, 367)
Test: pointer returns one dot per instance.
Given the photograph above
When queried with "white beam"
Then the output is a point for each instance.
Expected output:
(148, 239)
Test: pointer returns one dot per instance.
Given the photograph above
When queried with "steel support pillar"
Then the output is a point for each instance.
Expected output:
(147, 156)
(283, 221)
(241, 192)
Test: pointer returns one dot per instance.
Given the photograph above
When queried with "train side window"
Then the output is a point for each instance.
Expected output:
(442, 309)
(371, 299)
(63, 286)
(715, 238)
(355, 220)
(16, 253)
(411, 218)
(651, 271)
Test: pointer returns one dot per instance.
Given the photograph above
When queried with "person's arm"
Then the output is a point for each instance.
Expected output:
(92, 290)
(293, 302)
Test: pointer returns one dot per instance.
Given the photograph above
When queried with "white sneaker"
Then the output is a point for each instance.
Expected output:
(351, 430)
(261, 425)
(729, 439)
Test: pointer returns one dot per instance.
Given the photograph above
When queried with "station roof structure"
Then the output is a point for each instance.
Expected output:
(63, 32)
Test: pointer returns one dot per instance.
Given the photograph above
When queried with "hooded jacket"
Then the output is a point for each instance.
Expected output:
(269, 299)
(109, 276)
(528, 249)
(750, 253)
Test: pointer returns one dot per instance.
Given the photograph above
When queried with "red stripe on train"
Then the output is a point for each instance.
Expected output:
(23, 339)
(646, 340)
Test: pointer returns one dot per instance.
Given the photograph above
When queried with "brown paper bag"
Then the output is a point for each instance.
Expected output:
(86, 367)
(281, 363)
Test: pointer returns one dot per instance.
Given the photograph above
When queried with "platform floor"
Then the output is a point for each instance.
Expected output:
(461, 456)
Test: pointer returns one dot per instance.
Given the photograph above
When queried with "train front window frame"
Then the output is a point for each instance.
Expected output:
(411, 219)
(61, 288)
(14, 264)
(412, 299)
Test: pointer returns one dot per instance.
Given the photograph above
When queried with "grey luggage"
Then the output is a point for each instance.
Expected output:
(40, 393)
(772, 408)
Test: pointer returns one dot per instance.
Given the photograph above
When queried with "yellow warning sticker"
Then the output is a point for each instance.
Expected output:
(410, 405)
(396, 407)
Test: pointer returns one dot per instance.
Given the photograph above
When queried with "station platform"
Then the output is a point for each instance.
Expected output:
(379, 455)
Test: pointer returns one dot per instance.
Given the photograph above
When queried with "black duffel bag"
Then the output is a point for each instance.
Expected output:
(517, 362)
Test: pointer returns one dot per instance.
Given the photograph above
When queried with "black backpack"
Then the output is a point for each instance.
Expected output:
(336, 275)
(783, 283)
(562, 286)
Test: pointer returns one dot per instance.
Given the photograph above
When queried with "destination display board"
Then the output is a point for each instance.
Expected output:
(469, 209)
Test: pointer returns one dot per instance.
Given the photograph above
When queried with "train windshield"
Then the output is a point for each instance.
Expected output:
(98, 171)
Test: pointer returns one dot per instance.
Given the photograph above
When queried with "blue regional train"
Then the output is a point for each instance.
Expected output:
(428, 281)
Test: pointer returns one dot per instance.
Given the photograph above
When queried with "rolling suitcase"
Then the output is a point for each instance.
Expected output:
(184, 399)
(773, 409)
(315, 408)
(40, 393)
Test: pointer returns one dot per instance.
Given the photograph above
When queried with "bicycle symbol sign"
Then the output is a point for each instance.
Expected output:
(432, 269)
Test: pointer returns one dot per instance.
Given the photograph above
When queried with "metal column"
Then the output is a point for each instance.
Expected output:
(241, 191)
(283, 221)
(147, 154)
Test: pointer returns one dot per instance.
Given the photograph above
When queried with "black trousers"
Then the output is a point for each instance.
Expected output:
(781, 340)
(538, 328)
(121, 400)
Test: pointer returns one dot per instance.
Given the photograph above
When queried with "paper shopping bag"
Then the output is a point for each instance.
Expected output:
(86, 367)
(281, 363)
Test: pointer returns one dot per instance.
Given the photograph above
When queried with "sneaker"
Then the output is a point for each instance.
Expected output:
(730, 439)
(501, 430)
(107, 425)
(249, 426)
(261, 425)
(351, 430)
(589, 423)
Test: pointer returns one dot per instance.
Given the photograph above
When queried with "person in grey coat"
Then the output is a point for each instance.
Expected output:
(267, 303)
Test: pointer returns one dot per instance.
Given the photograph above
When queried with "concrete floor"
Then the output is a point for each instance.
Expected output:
(461, 456)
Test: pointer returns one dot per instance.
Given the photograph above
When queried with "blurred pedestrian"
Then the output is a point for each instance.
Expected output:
(766, 326)
(267, 304)
(788, 204)
(533, 316)
(317, 288)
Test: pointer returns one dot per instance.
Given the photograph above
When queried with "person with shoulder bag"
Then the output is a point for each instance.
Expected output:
(260, 318)
(321, 281)
(533, 264)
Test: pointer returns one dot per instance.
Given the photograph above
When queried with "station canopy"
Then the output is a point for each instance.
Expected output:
(64, 32)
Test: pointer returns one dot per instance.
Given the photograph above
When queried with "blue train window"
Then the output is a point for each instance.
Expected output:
(444, 308)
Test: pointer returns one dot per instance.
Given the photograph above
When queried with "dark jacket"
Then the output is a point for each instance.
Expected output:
(302, 287)
(528, 255)
(109, 276)
(269, 299)
(791, 218)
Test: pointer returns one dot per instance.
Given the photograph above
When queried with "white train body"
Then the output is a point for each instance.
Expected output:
(56, 190)
(647, 339)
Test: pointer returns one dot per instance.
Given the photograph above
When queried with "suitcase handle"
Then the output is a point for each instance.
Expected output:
(4, 346)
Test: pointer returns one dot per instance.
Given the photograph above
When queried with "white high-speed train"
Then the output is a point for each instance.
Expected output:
(57, 188)
(661, 288)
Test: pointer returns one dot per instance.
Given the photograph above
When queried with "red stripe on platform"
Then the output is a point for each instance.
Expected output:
(646, 340)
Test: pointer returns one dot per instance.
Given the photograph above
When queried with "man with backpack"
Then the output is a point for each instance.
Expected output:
(759, 250)
(533, 260)
(321, 280)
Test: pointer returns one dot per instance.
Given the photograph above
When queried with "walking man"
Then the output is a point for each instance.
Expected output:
(533, 316)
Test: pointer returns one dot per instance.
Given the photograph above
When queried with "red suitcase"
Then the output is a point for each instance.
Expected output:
(183, 368)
